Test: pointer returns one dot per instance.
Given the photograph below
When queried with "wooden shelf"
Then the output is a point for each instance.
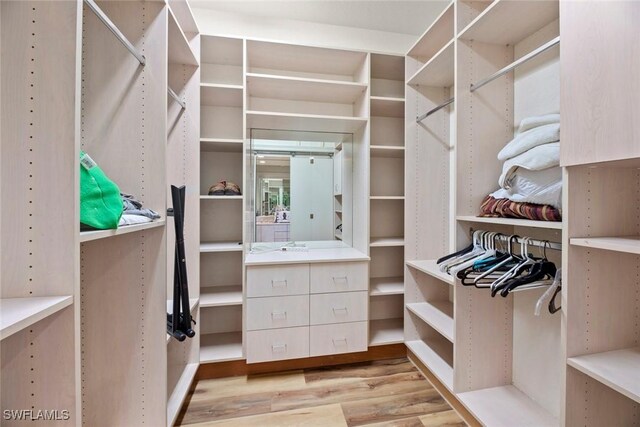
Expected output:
(86, 236)
(221, 347)
(439, 71)
(220, 296)
(436, 36)
(182, 11)
(220, 247)
(431, 268)
(437, 314)
(386, 241)
(516, 408)
(386, 331)
(382, 106)
(386, 151)
(180, 392)
(180, 51)
(508, 22)
(221, 145)
(379, 286)
(618, 369)
(424, 351)
(303, 122)
(511, 221)
(386, 197)
(203, 197)
(221, 95)
(19, 313)
(629, 244)
(304, 89)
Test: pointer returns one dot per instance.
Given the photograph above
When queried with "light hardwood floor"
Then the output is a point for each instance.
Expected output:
(382, 393)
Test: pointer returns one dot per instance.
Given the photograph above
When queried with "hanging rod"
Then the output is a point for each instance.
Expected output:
(532, 242)
(438, 108)
(175, 96)
(116, 32)
(516, 63)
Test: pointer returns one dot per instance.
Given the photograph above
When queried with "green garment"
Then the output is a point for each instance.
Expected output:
(100, 201)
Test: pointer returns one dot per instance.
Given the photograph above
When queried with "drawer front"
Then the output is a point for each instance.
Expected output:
(335, 339)
(339, 277)
(277, 344)
(275, 280)
(338, 307)
(277, 312)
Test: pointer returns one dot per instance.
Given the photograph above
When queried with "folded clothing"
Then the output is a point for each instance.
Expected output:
(540, 187)
(538, 158)
(100, 205)
(530, 139)
(505, 208)
(535, 121)
(225, 188)
(132, 206)
(127, 219)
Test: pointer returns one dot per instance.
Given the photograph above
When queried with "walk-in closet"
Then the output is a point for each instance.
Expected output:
(335, 213)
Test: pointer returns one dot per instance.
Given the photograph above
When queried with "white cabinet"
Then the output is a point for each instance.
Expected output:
(301, 310)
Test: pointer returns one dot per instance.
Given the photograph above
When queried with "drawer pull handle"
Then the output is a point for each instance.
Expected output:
(337, 341)
(344, 279)
(278, 315)
(279, 283)
(342, 309)
(279, 348)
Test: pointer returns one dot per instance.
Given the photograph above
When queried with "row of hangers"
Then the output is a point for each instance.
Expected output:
(490, 262)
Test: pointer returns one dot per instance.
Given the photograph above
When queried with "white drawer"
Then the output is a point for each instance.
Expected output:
(277, 312)
(277, 344)
(335, 339)
(338, 307)
(274, 280)
(339, 277)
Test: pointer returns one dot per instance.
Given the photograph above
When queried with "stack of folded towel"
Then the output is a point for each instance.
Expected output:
(531, 179)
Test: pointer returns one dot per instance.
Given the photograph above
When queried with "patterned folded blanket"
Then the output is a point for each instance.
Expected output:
(505, 208)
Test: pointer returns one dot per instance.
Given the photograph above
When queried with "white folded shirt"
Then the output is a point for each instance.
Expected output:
(535, 121)
(127, 219)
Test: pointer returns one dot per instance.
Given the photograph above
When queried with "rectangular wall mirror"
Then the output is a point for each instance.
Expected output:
(301, 189)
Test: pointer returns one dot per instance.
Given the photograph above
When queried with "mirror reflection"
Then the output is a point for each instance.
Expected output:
(299, 182)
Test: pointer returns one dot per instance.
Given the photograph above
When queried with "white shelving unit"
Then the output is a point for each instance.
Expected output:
(437, 314)
(87, 236)
(218, 296)
(17, 314)
(221, 347)
(386, 199)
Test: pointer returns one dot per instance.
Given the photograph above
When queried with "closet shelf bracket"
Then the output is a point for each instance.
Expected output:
(116, 32)
(515, 64)
(438, 108)
(177, 98)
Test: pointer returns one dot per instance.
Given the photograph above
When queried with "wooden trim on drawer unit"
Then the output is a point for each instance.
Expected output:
(240, 367)
(444, 391)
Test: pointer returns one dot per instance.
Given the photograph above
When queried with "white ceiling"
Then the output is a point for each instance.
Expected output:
(396, 16)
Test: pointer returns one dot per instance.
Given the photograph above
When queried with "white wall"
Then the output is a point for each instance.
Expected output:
(212, 22)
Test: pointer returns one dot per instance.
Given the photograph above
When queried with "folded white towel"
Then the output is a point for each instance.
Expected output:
(542, 187)
(529, 139)
(538, 158)
(535, 121)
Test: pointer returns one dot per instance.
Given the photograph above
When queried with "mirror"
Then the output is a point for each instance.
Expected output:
(301, 188)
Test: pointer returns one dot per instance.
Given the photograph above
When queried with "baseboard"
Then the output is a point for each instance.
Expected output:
(451, 398)
(241, 367)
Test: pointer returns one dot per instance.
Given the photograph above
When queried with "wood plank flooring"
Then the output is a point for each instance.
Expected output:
(385, 393)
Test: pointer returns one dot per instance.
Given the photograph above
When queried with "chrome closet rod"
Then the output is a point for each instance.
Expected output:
(515, 64)
(175, 96)
(116, 32)
(532, 242)
(438, 108)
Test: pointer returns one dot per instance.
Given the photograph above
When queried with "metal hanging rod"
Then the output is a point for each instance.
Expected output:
(116, 32)
(178, 100)
(516, 63)
(520, 240)
(438, 108)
